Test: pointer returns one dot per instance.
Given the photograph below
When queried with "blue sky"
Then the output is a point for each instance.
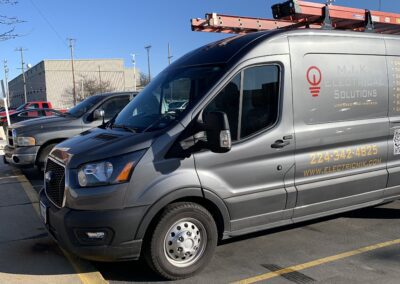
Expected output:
(114, 29)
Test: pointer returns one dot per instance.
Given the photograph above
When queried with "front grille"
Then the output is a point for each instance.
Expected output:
(10, 137)
(55, 182)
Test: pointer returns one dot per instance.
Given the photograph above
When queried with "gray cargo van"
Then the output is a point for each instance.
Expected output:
(279, 127)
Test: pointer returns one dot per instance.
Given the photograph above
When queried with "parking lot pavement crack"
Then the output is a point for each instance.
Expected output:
(295, 276)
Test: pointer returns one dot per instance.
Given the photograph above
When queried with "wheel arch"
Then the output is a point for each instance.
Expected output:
(207, 199)
(44, 145)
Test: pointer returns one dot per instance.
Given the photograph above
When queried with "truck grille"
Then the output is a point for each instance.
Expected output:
(54, 182)
(10, 138)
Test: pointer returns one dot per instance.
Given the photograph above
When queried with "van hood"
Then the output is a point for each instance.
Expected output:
(98, 144)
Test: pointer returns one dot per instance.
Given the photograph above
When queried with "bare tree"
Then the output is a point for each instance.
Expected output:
(144, 79)
(8, 24)
(92, 87)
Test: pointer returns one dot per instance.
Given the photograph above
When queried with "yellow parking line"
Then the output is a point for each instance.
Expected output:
(86, 272)
(317, 262)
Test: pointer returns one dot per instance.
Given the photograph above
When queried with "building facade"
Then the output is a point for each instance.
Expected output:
(51, 80)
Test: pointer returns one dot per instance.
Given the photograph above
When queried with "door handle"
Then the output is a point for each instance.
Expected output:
(280, 144)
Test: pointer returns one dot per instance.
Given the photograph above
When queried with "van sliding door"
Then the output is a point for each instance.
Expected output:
(341, 124)
(393, 64)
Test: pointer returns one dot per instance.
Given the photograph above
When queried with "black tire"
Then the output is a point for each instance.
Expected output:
(156, 253)
(43, 154)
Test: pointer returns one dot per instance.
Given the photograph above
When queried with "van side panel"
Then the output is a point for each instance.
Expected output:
(393, 65)
(340, 98)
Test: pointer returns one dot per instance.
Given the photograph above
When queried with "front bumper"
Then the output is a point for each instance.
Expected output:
(69, 227)
(21, 156)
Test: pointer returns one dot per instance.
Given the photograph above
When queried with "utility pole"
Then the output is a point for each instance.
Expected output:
(71, 46)
(133, 58)
(6, 70)
(148, 60)
(21, 50)
(169, 55)
(101, 86)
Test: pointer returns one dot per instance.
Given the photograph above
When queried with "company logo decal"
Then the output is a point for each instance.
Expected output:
(314, 78)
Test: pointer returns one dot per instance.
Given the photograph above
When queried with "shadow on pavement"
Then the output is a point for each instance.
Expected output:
(136, 271)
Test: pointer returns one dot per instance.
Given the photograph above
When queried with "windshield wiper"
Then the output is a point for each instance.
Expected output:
(127, 128)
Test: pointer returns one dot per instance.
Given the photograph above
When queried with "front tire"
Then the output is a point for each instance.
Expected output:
(182, 242)
(44, 153)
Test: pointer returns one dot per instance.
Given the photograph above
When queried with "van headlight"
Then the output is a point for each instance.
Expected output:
(110, 171)
(25, 141)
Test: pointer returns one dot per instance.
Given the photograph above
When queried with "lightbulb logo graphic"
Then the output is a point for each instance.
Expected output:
(314, 78)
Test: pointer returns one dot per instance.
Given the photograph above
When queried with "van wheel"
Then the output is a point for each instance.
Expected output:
(44, 153)
(182, 242)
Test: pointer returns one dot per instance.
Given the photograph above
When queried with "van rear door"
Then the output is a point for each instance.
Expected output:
(251, 177)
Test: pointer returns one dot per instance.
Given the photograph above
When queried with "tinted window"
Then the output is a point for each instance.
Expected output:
(260, 99)
(114, 106)
(45, 105)
(228, 101)
(33, 106)
(84, 106)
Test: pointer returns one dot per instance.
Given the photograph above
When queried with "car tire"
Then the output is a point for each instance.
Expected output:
(43, 154)
(183, 241)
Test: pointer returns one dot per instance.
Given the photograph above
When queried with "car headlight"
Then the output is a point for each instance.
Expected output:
(110, 171)
(25, 141)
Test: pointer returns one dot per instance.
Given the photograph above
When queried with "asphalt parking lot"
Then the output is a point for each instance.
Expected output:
(357, 247)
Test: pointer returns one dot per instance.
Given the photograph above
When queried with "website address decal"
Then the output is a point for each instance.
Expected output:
(342, 167)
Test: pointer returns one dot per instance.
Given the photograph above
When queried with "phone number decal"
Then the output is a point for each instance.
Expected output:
(319, 158)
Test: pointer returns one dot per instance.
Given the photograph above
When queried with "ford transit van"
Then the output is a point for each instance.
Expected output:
(277, 128)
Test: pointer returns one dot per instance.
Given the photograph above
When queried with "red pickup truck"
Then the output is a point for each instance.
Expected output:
(29, 105)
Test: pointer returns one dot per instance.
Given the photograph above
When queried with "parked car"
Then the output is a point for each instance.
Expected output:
(30, 141)
(280, 127)
(28, 105)
(29, 114)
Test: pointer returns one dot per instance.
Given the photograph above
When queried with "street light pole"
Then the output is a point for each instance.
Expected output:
(148, 60)
(133, 58)
(71, 46)
(6, 70)
(169, 55)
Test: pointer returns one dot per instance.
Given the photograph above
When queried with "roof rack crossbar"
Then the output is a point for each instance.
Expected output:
(326, 18)
(369, 24)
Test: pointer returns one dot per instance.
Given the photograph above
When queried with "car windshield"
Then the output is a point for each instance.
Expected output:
(81, 108)
(167, 97)
(21, 107)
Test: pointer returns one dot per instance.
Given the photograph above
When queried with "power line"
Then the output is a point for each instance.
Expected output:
(47, 21)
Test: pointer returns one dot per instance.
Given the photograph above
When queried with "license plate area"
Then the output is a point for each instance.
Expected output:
(43, 212)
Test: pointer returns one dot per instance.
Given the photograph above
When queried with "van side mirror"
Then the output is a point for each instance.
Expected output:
(98, 114)
(218, 132)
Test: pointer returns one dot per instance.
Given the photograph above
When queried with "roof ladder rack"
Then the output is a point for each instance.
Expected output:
(294, 14)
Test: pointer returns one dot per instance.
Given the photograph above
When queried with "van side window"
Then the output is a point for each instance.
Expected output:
(228, 101)
(260, 99)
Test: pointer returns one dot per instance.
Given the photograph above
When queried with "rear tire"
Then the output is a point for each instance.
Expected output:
(182, 242)
(43, 154)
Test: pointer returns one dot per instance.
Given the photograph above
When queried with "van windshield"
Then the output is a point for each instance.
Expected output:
(167, 97)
